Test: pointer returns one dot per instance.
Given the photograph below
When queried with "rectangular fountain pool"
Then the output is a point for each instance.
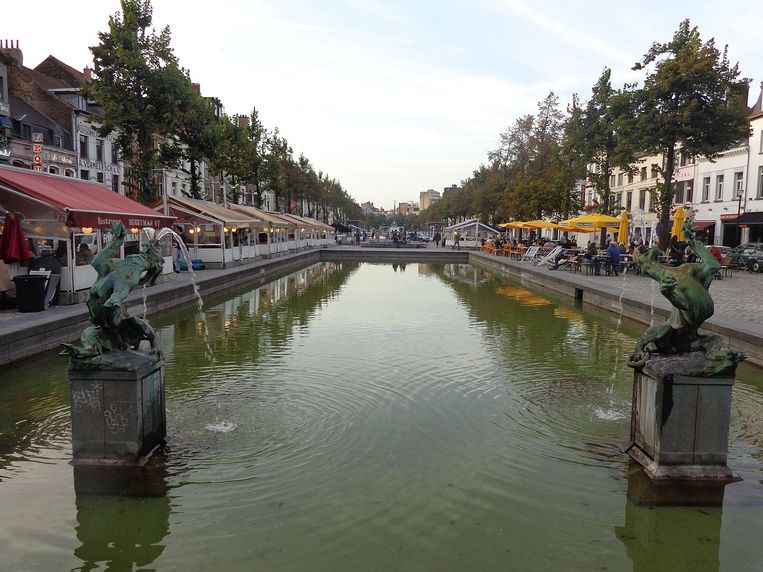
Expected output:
(378, 417)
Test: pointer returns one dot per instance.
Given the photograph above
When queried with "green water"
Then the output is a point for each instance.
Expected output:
(371, 417)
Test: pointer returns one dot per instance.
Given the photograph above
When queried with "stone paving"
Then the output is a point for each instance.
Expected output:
(737, 296)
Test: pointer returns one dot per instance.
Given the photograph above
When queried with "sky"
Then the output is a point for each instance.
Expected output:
(392, 98)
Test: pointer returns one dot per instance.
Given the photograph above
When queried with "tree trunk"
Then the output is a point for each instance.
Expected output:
(606, 172)
(665, 197)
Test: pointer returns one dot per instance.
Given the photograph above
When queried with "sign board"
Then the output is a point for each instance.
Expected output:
(37, 137)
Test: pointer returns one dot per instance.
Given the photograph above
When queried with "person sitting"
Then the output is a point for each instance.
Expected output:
(558, 259)
(613, 259)
(621, 248)
(84, 254)
(675, 252)
(591, 255)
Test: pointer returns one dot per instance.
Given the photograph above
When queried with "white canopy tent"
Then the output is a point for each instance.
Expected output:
(471, 232)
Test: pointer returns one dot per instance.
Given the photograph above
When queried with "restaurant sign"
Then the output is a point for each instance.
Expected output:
(105, 220)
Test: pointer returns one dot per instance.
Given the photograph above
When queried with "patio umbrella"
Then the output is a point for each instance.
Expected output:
(514, 224)
(678, 224)
(593, 220)
(539, 224)
(13, 245)
(622, 234)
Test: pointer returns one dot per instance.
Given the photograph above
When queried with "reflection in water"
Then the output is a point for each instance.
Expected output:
(115, 536)
(671, 526)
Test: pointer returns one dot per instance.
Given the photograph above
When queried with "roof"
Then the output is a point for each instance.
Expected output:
(312, 223)
(473, 222)
(215, 211)
(85, 204)
(260, 214)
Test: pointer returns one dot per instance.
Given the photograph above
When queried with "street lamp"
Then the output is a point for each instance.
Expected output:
(740, 192)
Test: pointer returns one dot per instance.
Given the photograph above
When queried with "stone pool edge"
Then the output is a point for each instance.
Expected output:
(31, 334)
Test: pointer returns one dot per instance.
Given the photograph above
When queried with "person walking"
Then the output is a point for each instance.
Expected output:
(437, 239)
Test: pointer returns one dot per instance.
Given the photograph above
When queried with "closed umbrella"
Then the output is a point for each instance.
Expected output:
(5, 238)
(13, 247)
(678, 224)
(622, 234)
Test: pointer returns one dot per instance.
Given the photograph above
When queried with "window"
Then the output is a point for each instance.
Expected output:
(643, 173)
(611, 180)
(115, 183)
(628, 200)
(705, 189)
(26, 131)
(689, 191)
(760, 182)
(58, 141)
(738, 184)
(53, 170)
(99, 177)
(651, 201)
(69, 173)
(719, 187)
(620, 179)
(630, 178)
(619, 200)
(84, 174)
(83, 144)
(99, 149)
(678, 198)
(653, 172)
(642, 199)
(114, 153)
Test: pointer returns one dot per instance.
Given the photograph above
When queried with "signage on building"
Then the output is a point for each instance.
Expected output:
(5, 108)
(99, 166)
(57, 157)
(85, 129)
(728, 217)
(37, 151)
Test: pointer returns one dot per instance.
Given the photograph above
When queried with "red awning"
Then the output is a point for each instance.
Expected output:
(702, 224)
(85, 203)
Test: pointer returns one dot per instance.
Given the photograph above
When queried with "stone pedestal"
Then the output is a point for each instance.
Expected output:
(680, 425)
(118, 413)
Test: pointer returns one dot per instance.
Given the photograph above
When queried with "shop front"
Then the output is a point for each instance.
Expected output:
(67, 221)
(220, 237)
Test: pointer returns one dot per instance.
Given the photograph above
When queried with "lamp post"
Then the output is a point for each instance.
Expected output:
(740, 192)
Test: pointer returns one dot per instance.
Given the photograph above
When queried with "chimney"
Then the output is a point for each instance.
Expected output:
(196, 88)
(14, 53)
(88, 72)
(243, 122)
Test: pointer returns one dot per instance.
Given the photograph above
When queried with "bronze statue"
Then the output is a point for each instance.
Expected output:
(113, 329)
(687, 288)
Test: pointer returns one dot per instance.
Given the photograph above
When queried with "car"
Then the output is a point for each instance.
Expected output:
(739, 254)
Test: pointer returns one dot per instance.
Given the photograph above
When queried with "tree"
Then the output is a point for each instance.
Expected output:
(200, 136)
(603, 137)
(141, 88)
(692, 98)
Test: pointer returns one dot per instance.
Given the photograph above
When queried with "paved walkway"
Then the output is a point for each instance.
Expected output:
(736, 296)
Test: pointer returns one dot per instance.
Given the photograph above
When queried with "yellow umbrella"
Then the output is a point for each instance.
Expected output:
(593, 220)
(539, 224)
(515, 224)
(678, 224)
(622, 234)
(577, 229)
